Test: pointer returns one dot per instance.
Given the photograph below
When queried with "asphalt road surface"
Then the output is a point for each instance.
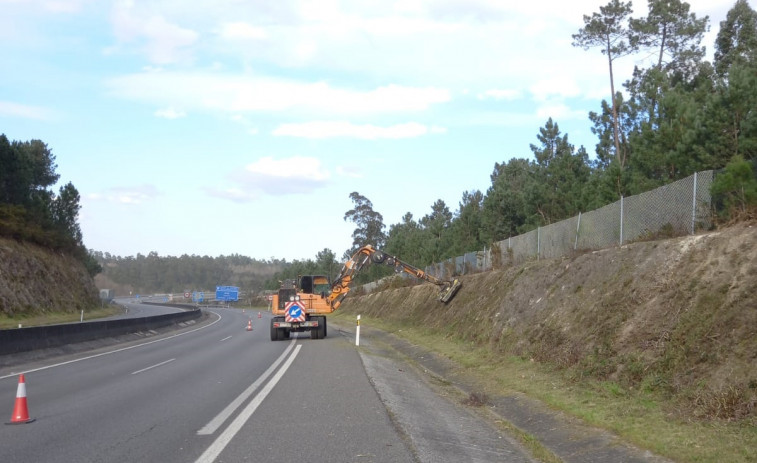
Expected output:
(218, 392)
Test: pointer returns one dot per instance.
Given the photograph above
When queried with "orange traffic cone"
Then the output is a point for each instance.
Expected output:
(249, 325)
(20, 410)
(259, 315)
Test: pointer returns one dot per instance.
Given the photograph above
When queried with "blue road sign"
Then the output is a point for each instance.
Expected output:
(227, 293)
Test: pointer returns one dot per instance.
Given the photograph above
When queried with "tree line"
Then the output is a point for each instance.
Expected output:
(151, 273)
(678, 115)
(30, 210)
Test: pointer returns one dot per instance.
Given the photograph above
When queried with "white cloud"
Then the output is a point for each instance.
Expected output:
(560, 86)
(558, 112)
(335, 129)
(242, 31)
(170, 113)
(275, 177)
(65, 6)
(123, 195)
(350, 171)
(500, 94)
(239, 94)
(271, 176)
(233, 194)
(52, 6)
(162, 41)
(297, 167)
(11, 109)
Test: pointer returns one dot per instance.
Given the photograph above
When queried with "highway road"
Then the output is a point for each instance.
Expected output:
(134, 308)
(217, 392)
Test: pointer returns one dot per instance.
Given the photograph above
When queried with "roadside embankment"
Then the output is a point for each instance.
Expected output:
(35, 280)
(670, 323)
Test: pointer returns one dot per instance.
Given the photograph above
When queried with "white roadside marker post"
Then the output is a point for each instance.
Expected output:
(357, 332)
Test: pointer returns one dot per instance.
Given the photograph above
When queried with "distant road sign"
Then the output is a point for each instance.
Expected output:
(186, 295)
(227, 293)
(269, 297)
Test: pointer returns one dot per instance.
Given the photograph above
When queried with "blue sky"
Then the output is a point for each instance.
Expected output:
(215, 127)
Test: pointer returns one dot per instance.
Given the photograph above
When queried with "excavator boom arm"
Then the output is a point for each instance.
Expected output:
(367, 254)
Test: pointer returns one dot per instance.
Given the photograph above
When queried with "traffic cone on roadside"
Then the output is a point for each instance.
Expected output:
(259, 315)
(249, 325)
(20, 410)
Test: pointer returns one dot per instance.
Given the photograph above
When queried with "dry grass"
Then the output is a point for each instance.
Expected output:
(646, 419)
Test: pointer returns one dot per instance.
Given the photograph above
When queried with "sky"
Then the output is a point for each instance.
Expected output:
(219, 127)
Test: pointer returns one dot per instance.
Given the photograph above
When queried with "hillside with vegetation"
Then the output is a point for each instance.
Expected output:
(44, 265)
(654, 340)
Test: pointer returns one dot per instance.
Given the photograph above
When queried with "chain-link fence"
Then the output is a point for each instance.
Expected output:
(674, 209)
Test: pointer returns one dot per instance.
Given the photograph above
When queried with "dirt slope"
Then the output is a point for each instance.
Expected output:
(35, 280)
(677, 316)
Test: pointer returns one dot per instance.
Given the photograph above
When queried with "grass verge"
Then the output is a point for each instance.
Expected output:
(642, 418)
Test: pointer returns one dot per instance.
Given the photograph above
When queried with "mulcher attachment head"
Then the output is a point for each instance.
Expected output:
(449, 290)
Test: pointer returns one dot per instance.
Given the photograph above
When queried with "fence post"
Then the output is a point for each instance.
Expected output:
(538, 243)
(694, 205)
(621, 221)
(578, 226)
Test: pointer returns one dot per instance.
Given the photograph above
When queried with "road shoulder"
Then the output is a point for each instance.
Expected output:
(566, 438)
(437, 425)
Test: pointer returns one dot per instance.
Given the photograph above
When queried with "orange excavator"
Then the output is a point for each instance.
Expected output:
(302, 304)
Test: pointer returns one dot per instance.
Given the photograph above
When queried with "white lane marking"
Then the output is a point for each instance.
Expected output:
(223, 440)
(13, 375)
(154, 366)
(226, 338)
(216, 422)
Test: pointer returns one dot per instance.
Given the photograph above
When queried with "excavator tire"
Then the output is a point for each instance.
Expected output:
(274, 332)
(320, 332)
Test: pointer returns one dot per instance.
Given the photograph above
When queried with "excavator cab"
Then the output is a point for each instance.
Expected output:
(315, 284)
(287, 292)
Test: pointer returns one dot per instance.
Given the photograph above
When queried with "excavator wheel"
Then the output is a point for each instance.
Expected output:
(274, 332)
(320, 332)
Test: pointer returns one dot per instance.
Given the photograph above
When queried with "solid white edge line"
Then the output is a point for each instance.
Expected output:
(111, 352)
(216, 422)
(223, 440)
(154, 366)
